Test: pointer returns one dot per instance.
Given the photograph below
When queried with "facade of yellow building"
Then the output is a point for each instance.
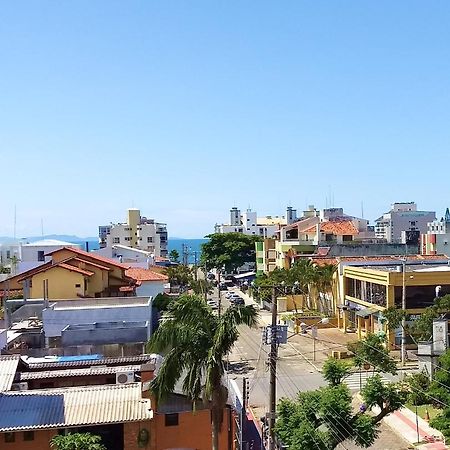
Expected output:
(364, 292)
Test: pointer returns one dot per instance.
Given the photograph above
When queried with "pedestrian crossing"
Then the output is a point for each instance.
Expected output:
(358, 380)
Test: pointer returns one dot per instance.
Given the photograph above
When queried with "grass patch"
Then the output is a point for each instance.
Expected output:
(421, 410)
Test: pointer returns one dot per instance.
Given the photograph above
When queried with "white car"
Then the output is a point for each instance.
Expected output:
(212, 304)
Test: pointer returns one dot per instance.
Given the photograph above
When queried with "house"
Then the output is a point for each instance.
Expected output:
(36, 253)
(70, 273)
(149, 283)
(40, 398)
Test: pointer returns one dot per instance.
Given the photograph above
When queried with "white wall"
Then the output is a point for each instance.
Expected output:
(150, 289)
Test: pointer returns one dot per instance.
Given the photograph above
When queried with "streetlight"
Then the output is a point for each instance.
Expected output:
(313, 329)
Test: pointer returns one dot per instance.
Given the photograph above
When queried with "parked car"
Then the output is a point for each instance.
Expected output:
(238, 301)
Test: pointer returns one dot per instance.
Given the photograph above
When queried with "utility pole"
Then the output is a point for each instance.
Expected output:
(273, 372)
(403, 347)
(219, 312)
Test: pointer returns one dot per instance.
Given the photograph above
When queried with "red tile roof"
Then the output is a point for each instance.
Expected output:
(89, 263)
(140, 274)
(46, 267)
(336, 227)
(91, 255)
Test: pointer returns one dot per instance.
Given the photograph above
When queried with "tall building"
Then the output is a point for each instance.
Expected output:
(249, 223)
(403, 223)
(437, 239)
(138, 232)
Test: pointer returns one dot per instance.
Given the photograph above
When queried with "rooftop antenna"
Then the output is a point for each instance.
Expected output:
(15, 221)
(42, 227)
(362, 209)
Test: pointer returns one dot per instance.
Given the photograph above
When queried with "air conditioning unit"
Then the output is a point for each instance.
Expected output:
(124, 377)
(22, 386)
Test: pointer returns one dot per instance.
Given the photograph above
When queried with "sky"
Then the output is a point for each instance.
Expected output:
(187, 108)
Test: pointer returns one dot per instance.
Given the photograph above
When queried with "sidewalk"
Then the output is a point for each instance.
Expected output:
(404, 423)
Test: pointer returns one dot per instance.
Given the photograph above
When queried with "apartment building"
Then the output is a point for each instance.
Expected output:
(403, 223)
(249, 223)
(137, 232)
(437, 238)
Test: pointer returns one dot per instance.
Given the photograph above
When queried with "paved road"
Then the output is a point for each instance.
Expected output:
(295, 372)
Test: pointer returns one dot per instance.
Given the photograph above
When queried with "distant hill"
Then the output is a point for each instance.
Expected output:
(59, 237)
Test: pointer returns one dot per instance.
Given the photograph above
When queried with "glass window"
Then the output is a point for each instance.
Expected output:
(10, 437)
(171, 420)
(28, 435)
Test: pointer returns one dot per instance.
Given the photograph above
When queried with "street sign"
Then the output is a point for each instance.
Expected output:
(277, 334)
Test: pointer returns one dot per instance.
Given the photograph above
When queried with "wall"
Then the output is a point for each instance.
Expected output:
(354, 249)
(40, 442)
(54, 320)
(61, 284)
(193, 431)
(150, 288)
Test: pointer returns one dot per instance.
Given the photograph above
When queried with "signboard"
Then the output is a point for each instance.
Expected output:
(440, 336)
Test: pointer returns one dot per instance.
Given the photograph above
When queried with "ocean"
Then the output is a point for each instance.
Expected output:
(193, 245)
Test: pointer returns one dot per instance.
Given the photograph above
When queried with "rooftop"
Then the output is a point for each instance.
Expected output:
(8, 367)
(145, 275)
(71, 407)
(50, 243)
(106, 302)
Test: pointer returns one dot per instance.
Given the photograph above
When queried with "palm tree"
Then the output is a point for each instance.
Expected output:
(324, 284)
(195, 343)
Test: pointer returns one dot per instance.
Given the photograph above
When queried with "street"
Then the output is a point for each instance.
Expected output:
(297, 370)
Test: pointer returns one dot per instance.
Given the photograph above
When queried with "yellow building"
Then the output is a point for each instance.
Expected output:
(366, 289)
(73, 273)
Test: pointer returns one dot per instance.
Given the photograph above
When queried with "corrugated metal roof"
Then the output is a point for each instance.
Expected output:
(94, 362)
(85, 372)
(8, 368)
(69, 407)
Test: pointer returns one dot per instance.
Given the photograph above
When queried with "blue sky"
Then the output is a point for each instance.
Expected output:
(186, 108)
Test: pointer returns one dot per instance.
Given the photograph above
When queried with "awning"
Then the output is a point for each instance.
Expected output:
(365, 312)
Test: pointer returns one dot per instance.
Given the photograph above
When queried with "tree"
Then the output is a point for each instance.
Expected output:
(195, 342)
(77, 441)
(323, 280)
(439, 393)
(179, 275)
(202, 287)
(334, 371)
(174, 256)
(421, 329)
(372, 350)
(324, 418)
(228, 250)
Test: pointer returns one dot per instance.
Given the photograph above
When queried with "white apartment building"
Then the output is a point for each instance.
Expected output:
(138, 232)
(437, 239)
(402, 219)
(249, 223)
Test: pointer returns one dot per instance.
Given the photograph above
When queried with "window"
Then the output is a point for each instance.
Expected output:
(41, 255)
(149, 239)
(78, 285)
(127, 238)
(116, 240)
(10, 437)
(171, 420)
(28, 435)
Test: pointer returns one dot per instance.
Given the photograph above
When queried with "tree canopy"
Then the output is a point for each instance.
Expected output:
(228, 250)
(372, 350)
(77, 441)
(324, 418)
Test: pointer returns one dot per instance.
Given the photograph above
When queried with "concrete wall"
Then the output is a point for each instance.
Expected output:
(105, 333)
(354, 249)
(150, 289)
(55, 320)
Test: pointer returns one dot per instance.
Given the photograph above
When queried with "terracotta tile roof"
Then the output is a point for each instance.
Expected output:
(46, 267)
(88, 273)
(139, 274)
(336, 227)
(92, 256)
(321, 260)
(89, 263)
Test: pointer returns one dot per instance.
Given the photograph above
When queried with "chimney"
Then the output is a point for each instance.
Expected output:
(86, 244)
